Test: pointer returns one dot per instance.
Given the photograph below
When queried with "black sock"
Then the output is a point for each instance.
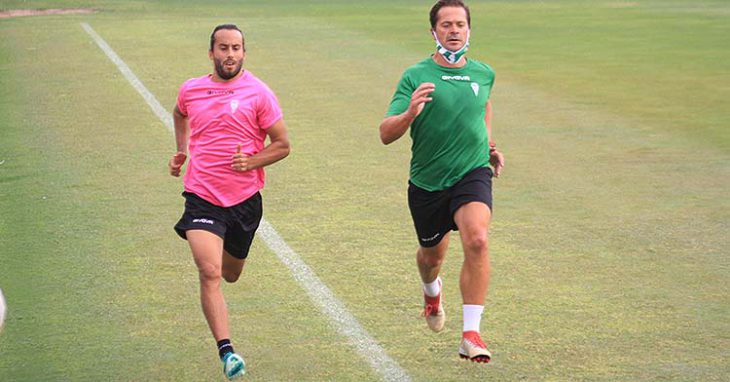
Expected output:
(224, 347)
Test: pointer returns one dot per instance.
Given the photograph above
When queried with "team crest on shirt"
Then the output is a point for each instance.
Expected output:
(234, 106)
(475, 88)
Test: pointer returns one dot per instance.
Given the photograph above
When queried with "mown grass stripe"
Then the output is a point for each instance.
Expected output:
(345, 323)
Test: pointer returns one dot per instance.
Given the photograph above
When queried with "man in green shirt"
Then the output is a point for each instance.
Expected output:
(444, 99)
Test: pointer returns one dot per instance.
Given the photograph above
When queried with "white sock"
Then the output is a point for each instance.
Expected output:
(472, 317)
(432, 289)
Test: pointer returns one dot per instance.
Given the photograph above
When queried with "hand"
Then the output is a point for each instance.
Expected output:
(419, 98)
(240, 161)
(496, 159)
(176, 163)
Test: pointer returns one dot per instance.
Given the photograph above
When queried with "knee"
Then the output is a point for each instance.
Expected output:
(209, 274)
(231, 277)
(477, 244)
(433, 261)
(431, 258)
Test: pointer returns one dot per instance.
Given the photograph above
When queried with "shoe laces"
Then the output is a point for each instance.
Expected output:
(430, 310)
(431, 305)
(475, 339)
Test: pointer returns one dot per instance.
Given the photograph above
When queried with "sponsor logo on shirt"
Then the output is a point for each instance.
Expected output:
(455, 78)
(220, 91)
(234, 105)
(475, 88)
(204, 221)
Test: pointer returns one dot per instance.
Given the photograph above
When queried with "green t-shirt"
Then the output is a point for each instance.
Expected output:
(449, 136)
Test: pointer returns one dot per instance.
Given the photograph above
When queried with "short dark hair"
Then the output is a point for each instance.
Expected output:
(226, 26)
(448, 3)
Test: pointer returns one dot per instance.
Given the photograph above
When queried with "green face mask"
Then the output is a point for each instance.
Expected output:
(449, 55)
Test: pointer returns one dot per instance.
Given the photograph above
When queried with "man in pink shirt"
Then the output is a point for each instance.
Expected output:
(221, 123)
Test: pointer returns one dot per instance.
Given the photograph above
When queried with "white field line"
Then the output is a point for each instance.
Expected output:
(345, 323)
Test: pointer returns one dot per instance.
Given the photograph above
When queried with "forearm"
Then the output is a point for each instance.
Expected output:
(182, 131)
(394, 127)
(274, 152)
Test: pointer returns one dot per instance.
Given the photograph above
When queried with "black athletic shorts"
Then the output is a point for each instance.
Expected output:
(433, 211)
(236, 225)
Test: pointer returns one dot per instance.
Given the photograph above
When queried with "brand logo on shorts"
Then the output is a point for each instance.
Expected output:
(204, 221)
(432, 238)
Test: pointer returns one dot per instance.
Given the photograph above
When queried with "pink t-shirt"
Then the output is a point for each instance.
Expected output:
(222, 116)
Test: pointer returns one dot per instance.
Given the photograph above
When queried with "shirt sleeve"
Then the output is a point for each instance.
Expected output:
(268, 111)
(402, 96)
(181, 104)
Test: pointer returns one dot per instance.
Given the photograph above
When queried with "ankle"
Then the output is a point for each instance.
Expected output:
(224, 347)
(472, 317)
(432, 289)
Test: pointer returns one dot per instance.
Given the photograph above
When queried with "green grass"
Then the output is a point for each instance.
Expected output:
(609, 244)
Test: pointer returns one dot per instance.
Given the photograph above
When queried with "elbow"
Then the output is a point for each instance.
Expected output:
(285, 149)
(393, 128)
(385, 138)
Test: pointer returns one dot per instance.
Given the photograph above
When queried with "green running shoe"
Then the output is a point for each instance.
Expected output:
(233, 366)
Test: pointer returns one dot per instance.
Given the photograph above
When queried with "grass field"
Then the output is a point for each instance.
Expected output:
(610, 246)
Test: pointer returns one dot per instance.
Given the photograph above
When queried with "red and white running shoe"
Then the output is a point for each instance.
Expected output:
(434, 312)
(473, 348)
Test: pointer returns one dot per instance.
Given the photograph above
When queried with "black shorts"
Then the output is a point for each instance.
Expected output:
(433, 211)
(236, 225)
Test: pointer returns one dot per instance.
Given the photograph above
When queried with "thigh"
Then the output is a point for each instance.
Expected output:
(473, 220)
(207, 249)
(438, 251)
(202, 215)
(238, 242)
(431, 216)
(232, 266)
(476, 186)
(243, 222)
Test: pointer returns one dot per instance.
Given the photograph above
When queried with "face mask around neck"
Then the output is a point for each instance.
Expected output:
(451, 56)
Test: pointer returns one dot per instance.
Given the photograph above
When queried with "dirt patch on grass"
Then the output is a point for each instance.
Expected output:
(39, 12)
